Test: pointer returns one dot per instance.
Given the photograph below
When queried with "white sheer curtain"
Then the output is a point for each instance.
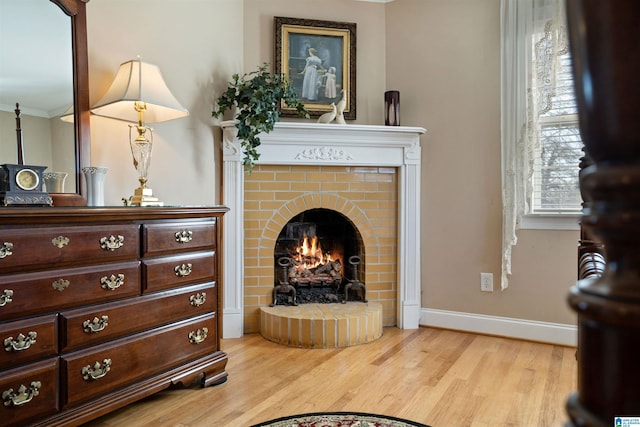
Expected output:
(532, 36)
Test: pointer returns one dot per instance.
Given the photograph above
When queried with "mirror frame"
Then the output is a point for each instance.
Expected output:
(76, 10)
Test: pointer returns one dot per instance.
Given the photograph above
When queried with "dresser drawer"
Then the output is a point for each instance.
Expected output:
(170, 272)
(92, 325)
(42, 247)
(33, 293)
(179, 237)
(28, 340)
(110, 366)
(29, 392)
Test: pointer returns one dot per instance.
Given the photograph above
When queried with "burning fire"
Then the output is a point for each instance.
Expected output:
(309, 255)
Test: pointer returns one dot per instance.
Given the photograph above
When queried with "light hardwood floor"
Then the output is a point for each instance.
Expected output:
(438, 377)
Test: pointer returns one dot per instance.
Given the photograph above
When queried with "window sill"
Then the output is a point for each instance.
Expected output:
(550, 222)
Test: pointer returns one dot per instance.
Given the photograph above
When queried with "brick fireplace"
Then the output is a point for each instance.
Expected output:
(368, 174)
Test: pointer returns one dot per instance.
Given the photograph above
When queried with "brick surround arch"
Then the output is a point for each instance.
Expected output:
(366, 196)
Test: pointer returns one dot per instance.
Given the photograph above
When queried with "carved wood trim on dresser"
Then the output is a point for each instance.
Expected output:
(100, 307)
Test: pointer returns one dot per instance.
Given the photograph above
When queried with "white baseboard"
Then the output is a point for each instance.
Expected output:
(554, 333)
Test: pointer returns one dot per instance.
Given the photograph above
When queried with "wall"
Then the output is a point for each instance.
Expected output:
(370, 55)
(197, 45)
(36, 139)
(443, 56)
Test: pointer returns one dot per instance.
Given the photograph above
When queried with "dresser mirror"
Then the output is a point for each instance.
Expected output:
(44, 68)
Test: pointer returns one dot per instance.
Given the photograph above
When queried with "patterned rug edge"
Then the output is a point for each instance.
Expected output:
(278, 421)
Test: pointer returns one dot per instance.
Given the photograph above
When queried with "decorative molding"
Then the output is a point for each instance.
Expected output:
(323, 153)
(553, 333)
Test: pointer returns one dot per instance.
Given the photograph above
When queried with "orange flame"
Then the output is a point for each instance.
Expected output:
(310, 254)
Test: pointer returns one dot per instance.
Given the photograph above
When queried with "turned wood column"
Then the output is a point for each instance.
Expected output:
(605, 45)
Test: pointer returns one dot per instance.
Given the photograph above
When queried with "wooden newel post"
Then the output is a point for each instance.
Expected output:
(605, 46)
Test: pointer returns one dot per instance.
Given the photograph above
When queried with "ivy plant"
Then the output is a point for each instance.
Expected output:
(256, 98)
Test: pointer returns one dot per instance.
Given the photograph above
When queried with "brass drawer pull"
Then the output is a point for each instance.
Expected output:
(198, 299)
(60, 284)
(21, 342)
(112, 282)
(95, 325)
(184, 236)
(183, 270)
(5, 297)
(5, 250)
(97, 371)
(111, 243)
(60, 241)
(197, 337)
(24, 395)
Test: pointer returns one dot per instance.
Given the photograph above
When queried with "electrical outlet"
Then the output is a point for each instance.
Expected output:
(486, 282)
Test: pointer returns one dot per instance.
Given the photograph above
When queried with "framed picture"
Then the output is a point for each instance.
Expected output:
(319, 57)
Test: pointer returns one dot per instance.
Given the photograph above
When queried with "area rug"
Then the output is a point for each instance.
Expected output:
(339, 419)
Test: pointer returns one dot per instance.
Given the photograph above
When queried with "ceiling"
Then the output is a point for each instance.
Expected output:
(35, 58)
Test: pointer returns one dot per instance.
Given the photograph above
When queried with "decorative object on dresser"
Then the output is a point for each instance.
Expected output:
(22, 184)
(138, 88)
(54, 181)
(256, 98)
(102, 307)
(95, 176)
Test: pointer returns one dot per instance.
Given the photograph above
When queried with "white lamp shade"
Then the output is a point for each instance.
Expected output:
(138, 81)
(68, 115)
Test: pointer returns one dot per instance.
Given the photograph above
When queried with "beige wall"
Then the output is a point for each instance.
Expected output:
(443, 56)
(198, 45)
(370, 55)
(36, 139)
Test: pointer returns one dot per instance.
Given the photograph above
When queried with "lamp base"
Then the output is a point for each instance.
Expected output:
(143, 197)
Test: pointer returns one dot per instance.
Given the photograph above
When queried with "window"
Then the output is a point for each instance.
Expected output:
(555, 186)
(540, 142)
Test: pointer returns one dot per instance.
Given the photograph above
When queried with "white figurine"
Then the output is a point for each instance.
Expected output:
(328, 117)
(340, 108)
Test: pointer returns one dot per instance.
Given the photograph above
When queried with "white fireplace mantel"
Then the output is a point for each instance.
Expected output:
(300, 143)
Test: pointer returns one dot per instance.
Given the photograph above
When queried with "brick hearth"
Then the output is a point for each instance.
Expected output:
(322, 325)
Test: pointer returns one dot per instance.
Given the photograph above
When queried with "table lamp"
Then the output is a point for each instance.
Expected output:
(139, 93)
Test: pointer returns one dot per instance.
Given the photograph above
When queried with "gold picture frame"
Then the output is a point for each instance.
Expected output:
(319, 57)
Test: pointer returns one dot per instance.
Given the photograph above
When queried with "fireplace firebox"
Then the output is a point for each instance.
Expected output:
(317, 255)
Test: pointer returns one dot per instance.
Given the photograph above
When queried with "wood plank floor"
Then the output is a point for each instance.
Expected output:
(437, 377)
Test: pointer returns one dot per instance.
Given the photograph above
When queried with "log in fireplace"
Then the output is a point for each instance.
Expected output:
(318, 258)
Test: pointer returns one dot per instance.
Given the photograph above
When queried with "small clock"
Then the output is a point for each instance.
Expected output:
(27, 179)
(22, 185)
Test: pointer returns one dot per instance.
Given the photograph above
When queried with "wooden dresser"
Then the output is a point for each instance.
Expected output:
(100, 307)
